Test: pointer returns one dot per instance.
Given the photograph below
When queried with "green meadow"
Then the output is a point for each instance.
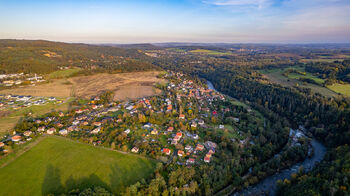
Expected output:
(343, 89)
(56, 165)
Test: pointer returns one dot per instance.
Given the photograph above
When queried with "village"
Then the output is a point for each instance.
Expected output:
(17, 102)
(169, 126)
(17, 79)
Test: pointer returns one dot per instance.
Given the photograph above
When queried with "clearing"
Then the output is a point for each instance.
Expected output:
(343, 89)
(56, 165)
(275, 76)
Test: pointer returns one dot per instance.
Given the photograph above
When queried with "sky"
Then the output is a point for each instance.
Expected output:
(155, 21)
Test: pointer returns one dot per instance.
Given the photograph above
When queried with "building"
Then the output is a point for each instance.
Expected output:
(16, 138)
(135, 149)
(166, 151)
(51, 131)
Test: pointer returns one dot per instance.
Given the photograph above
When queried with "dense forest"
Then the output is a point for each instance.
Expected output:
(44, 57)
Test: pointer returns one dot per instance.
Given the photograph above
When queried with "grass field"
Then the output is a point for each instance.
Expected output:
(343, 89)
(62, 73)
(209, 52)
(9, 121)
(275, 76)
(56, 165)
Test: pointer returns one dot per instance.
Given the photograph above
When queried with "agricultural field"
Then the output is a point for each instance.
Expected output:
(56, 165)
(343, 89)
(276, 76)
(125, 85)
(209, 52)
(55, 88)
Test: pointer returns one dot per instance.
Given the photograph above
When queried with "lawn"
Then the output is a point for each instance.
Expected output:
(56, 165)
(343, 89)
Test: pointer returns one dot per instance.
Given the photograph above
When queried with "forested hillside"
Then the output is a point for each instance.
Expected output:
(44, 57)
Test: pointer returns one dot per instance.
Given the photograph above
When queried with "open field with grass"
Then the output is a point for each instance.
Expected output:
(209, 52)
(8, 122)
(66, 73)
(275, 76)
(56, 165)
(343, 89)
(125, 85)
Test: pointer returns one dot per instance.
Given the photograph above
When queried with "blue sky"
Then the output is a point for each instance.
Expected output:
(140, 21)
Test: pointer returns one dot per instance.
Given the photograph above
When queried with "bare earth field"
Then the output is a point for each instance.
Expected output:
(56, 88)
(126, 86)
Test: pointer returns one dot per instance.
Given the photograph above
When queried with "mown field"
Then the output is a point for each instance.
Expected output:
(275, 76)
(343, 89)
(56, 165)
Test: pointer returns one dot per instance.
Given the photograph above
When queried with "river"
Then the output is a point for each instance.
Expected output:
(268, 185)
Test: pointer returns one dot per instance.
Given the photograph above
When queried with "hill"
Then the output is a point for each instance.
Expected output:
(40, 56)
(56, 165)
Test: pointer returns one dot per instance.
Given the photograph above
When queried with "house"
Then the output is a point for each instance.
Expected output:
(27, 133)
(221, 126)
(170, 129)
(188, 148)
(76, 122)
(236, 119)
(95, 131)
(207, 159)
(51, 131)
(135, 149)
(199, 147)
(190, 161)
(194, 125)
(210, 145)
(166, 151)
(154, 132)
(97, 124)
(182, 116)
(127, 131)
(180, 153)
(41, 129)
(2, 144)
(201, 122)
(179, 134)
(147, 125)
(63, 132)
(79, 111)
(59, 125)
(16, 138)
(195, 136)
(174, 142)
